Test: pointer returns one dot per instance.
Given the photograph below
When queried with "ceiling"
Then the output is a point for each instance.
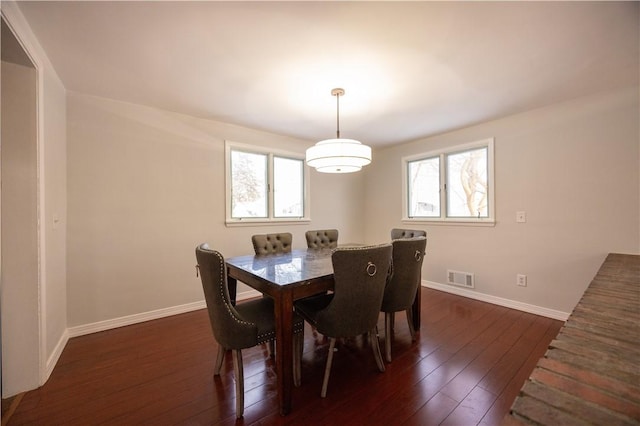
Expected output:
(409, 69)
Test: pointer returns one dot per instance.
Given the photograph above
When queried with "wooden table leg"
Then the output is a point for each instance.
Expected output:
(415, 309)
(284, 350)
(232, 285)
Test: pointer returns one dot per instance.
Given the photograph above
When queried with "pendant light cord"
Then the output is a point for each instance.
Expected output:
(338, 115)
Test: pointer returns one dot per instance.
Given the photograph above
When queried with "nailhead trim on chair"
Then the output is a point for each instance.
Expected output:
(261, 337)
(227, 307)
(349, 248)
(266, 337)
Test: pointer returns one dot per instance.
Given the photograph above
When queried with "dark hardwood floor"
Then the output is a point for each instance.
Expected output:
(466, 368)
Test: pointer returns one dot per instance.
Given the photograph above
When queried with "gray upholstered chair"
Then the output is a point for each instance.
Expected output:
(272, 243)
(360, 275)
(322, 238)
(397, 233)
(242, 326)
(408, 255)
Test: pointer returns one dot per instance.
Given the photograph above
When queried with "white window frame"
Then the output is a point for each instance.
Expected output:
(442, 154)
(270, 153)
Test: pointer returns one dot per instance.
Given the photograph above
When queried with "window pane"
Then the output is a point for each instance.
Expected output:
(424, 187)
(288, 184)
(467, 184)
(248, 184)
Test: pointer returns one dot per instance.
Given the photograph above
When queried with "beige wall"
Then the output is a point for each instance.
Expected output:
(54, 213)
(573, 168)
(20, 292)
(145, 187)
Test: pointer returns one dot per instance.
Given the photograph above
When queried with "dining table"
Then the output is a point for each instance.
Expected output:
(287, 277)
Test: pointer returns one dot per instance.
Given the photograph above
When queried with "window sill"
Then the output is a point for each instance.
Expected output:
(451, 222)
(266, 222)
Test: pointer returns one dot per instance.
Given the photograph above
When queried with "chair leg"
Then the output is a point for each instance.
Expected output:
(298, 344)
(239, 372)
(410, 321)
(272, 348)
(376, 350)
(327, 369)
(219, 359)
(388, 319)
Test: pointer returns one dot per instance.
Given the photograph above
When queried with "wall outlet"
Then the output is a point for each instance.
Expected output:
(521, 280)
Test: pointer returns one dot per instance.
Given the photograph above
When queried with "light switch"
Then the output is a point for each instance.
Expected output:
(521, 217)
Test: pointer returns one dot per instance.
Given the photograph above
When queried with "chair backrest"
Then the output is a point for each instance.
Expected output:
(360, 275)
(397, 233)
(229, 328)
(408, 255)
(272, 243)
(322, 238)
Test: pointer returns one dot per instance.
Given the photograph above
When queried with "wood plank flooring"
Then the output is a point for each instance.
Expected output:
(469, 362)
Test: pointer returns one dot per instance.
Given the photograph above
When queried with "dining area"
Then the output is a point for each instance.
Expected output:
(123, 152)
(466, 366)
(339, 290)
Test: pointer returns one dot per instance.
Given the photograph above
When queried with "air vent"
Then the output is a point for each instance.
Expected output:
(462, 279)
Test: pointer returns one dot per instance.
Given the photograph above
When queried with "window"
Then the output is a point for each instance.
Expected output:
(265, 185)
(452, 185)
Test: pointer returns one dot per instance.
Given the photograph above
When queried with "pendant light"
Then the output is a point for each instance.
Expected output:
(338, 155)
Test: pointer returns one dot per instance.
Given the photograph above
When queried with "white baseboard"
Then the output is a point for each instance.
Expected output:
(508, 303)
(180, 309)
(95, 327)
(55, 356)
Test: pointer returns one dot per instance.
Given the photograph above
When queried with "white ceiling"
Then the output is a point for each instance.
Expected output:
(410, 69)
